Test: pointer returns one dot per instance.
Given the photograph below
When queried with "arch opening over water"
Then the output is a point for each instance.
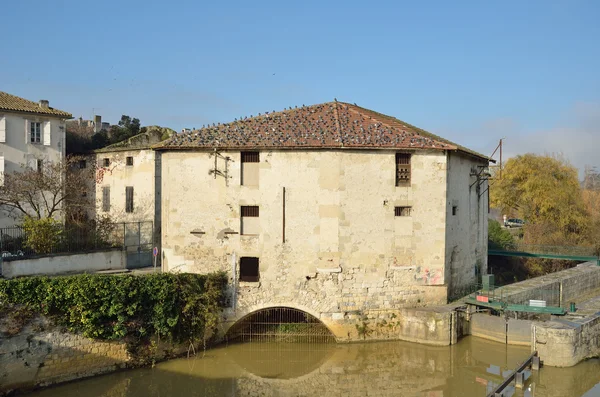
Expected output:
(280, 324)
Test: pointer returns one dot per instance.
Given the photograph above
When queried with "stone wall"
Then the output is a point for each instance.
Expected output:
(466, 223)
(42, 355)
(336, 251)
(557, 289)
(118, 175)
(566, 343)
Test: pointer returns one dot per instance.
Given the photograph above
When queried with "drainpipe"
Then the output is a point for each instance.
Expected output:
(234, 282)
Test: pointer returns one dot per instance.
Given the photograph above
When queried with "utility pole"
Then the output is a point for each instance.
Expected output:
(500, 144)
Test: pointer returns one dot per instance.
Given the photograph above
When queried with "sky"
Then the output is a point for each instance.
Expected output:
(470, 71)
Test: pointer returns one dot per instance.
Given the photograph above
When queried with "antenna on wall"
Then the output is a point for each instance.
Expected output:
(216, 171)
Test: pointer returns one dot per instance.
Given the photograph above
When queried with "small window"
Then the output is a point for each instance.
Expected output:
(403, 169)
(40, 165)
(454, 210)
(250, 168)
(106, 198)
(249, 269)
(106, 162)
(250, 157)
(250, 221)
(82, 164)
(129, 199)
(129, 160)
(36, 132)
(402, 211)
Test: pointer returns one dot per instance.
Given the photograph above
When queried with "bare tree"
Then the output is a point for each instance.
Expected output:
(51, 190)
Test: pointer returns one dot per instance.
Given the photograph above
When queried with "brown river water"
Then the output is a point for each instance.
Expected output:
(470, 368)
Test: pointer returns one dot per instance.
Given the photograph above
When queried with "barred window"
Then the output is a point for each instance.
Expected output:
(250, 223)
(129, 160)
(250, 168)
(403, 169)
(402, 211)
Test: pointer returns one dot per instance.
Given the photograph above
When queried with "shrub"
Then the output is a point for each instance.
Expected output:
(178, 307)
(499, 238)
(42, 235)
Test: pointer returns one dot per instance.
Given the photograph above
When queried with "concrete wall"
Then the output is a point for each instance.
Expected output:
(466, 230)
(60, 264)
(118, 175)
(565, 343)
(500, 329)
(18, 150)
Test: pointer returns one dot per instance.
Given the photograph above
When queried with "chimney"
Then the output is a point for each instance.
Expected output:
(44, 104)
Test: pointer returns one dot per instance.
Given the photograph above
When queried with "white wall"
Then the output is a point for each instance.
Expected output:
(466, 232)
(17, 149)
(60, 264)
(118, 176)
(340, 227)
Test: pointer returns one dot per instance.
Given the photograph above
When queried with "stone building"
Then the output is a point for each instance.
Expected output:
(333, 209)
(31, 133)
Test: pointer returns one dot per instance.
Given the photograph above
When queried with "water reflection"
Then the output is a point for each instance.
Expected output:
(470, 368)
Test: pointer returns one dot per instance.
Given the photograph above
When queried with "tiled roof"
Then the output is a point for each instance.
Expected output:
(327, 125)
(17, 104)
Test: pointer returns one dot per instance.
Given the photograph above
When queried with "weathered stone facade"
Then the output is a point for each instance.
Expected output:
(329, 242)
(42, 355)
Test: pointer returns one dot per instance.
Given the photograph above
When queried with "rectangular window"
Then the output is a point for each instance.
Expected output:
(454, 210)
(250, 168)
(249, 269)
(402, 211)
(129, 160)
(36, 132)
(106, 198)
(403, 169)
(106, 162)
(40, 165)
(129, 199)
(250, 220)
(82, 164)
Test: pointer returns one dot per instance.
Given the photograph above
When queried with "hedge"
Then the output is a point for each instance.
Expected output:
(179, 307)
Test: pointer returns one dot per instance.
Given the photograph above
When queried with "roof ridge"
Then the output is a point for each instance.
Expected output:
(16, 103)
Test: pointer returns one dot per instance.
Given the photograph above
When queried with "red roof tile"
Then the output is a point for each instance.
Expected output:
(327, 125)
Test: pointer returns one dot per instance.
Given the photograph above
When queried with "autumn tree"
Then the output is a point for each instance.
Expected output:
(545, 191)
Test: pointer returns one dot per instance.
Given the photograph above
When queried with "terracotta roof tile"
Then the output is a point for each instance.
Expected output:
(18, 104)
(327, 125)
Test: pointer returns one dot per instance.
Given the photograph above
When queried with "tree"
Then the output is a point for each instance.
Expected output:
(544, 191)
(499, 238)
(51, 191)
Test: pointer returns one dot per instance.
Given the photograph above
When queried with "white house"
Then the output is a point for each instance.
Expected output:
(30, 134)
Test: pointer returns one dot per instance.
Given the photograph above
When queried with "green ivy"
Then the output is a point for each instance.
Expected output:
(178, 307)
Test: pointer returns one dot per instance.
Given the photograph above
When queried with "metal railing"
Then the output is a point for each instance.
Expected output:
(134, 237)
(281, 324)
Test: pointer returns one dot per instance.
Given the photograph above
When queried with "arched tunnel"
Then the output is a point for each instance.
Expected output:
(280, 324)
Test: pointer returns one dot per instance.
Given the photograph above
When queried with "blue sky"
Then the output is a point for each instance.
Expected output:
(472, 71)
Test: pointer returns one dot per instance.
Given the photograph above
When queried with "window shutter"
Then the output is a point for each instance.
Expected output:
(47, 132)
(1, 170)
(27, 131)
(2, 129)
